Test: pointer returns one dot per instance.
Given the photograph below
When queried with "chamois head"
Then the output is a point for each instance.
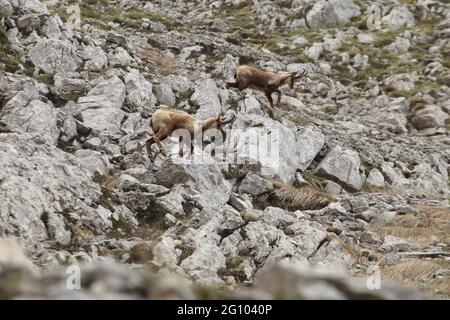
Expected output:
(295, 76)
(222, 121)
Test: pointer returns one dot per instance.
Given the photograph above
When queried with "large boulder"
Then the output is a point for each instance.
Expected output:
(399, 17)
(270, 147)
(207, 98)
(255, 185)
(375, 178)
(101, 108)
(139, 91)
(53, 56)
(203, 180)
(94, 58)
(343, 166)
(38, 180)
(310, 142)
(23, 115)
(332, 13)
(431, 116)
(6, 8)
(164, 93)
(204, 264)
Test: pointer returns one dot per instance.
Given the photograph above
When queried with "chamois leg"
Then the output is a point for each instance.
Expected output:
(161, 135)
(242, 85)
(148, 144)
(181, 147)
(231, 85)
(269, 97)
(279, 97)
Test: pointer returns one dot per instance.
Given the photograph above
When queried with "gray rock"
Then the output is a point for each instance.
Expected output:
(56, 228)
(333, 187)
(93, 161)
(38, 178)
(314, 51)
(139, 91)
(310, 142)
(402, 82)
(279, 152)
(326, 14)
(95, 58)
(6, 9)
(307, 237)
(53, 56)
(429, 117)
(239, 202)
(100, 108)
(399, 17)
(118, 39)
(51, 27)
(206, 98)
(33, 116)
(12, 255)
(231, 221)
(165, 253)
(278, 217)
(120, 58)
(204, 264)
(205, 180)
(68, 84)
(400, 45)
(164, 93)
(28, 22)
(34, 6)
(375, 178)
(331, 254)
(343, 165)
(255, 185)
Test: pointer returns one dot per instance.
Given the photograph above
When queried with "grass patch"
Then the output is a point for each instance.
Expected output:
(292, 198)
(367, 187)
(186, 251)
(4, 128)
(157, 60)
(109, 199)
(232, 269)
(432, 224)
(141, 253)
(422, 274)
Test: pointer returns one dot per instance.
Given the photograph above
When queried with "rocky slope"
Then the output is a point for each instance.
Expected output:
(362, 174)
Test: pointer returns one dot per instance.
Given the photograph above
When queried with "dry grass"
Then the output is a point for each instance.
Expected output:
(303, 198)
(157, 59)
(433, 224)
(367, 187)
(431, 275)
(353, 250)
(148, 233)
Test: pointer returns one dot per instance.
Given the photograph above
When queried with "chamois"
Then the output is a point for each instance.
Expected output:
(165, 120)
(264, 81)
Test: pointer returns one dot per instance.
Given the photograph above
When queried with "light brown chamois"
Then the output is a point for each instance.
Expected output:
(264, 81)
(165, 120)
